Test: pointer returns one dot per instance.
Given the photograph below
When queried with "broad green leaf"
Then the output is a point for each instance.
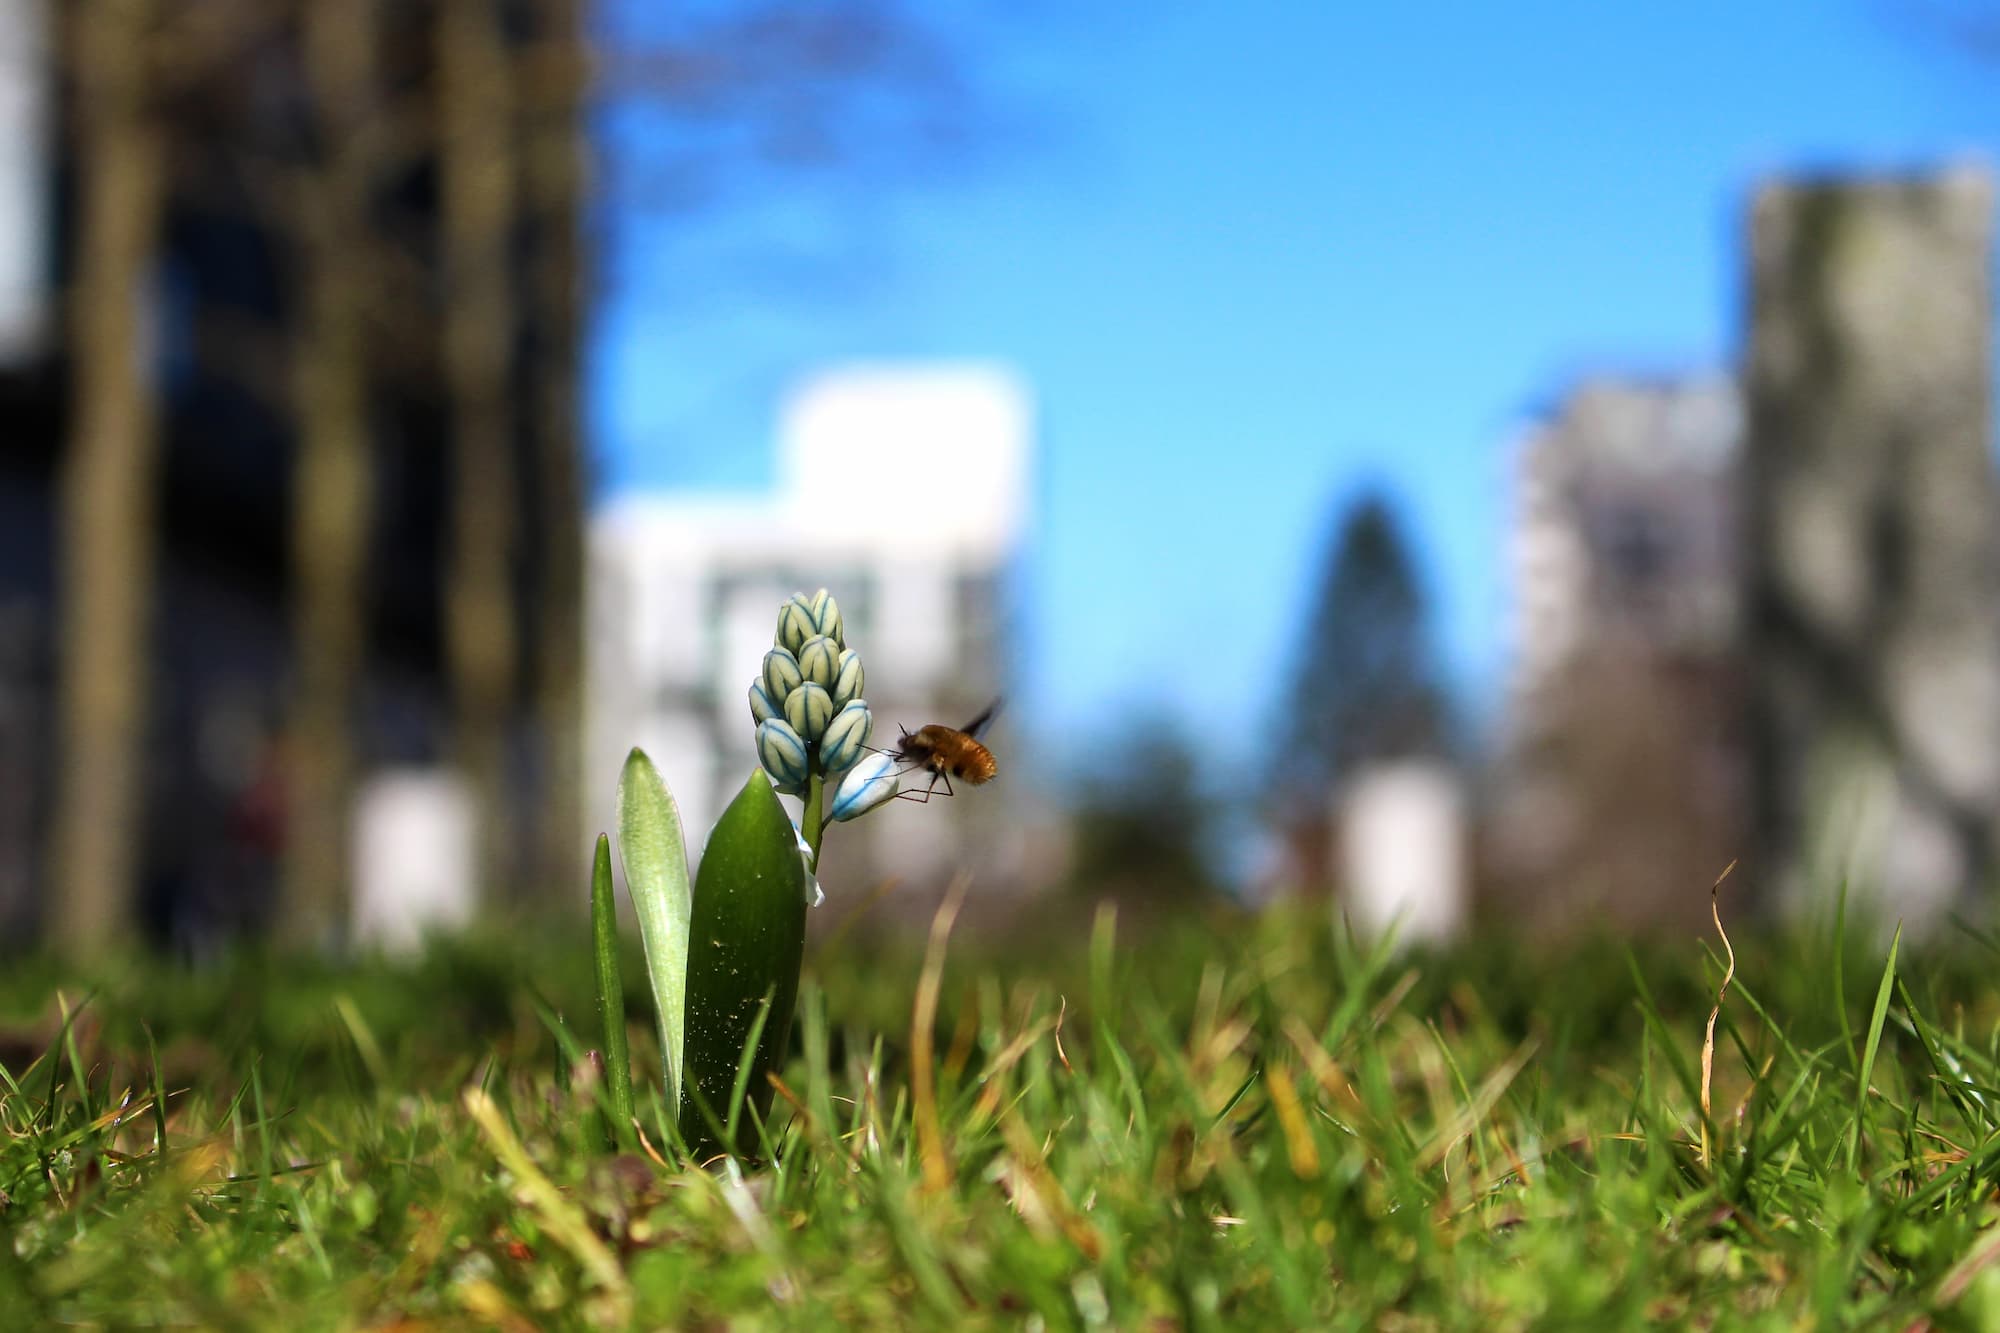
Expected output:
(656, 875)
(747, 944)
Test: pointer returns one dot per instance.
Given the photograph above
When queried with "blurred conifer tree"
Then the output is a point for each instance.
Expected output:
(1365, 685)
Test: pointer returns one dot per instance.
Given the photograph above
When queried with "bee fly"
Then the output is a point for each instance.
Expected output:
(947, 753)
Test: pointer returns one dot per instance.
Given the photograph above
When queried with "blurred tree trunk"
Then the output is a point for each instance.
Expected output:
(107, 485)
(555, 180)
(477, 159)
(333, 485)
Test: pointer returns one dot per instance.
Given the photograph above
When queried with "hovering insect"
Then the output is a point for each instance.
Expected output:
(946, 753)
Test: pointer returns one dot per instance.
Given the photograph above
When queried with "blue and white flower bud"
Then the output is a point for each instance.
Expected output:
(796, 622)
(848, 678)
(844, 737)
(809, 708)
(783, 756)
(819, 661)
(867, 785)
(781, 675)
(826, 617)
(762, 709)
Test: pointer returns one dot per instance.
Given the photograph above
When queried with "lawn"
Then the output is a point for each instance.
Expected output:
(1227, 1122)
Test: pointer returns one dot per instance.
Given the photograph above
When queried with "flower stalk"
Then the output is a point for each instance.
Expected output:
(813, 826)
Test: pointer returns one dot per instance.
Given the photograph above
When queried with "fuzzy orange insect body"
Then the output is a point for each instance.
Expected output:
(949, 752)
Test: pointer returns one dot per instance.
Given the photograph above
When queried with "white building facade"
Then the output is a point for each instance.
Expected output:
(1620, 781)
(1624, 525)
(903, 490)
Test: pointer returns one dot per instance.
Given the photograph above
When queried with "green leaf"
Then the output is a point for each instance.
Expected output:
(656, 875)
(748, 942)
(611, 990)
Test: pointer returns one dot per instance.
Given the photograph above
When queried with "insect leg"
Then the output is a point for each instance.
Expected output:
(924, 797)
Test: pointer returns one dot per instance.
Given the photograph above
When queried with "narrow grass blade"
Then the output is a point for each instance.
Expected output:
(1676, 1059)
(745, 1065)
(656, 875)
(610, 990)
(1840, 965)
(365, 1044)
(1875, 1022)
(75, 1057)
(159, 1095)
(1951, 1078)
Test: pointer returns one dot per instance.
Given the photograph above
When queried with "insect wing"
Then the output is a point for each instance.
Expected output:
(983, 721)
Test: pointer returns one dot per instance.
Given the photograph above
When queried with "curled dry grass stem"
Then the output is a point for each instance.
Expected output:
(1721, 992)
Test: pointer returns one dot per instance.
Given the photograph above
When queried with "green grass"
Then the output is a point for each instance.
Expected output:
(1213, 1124)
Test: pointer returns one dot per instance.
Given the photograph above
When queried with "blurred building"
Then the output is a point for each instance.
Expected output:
(902, 489)
(1625, 511)
(1761, 618)
(1621, 778)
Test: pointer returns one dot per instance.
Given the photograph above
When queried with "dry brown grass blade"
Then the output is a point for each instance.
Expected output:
(994, 1076)
(923, 1024)
(1324, 1068)
(1484, 1097)
(560, 1218)
(1047, 1190)
(1721, 992)
(1299, 1146)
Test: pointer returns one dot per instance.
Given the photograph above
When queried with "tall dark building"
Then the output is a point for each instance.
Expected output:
(226, 308)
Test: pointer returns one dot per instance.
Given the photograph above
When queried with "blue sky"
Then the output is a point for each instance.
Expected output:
(1252, 258)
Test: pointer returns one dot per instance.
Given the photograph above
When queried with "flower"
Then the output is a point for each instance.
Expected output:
(761, 707)
(840, 744)
(826, 617)
(848, 679)
(781, 675)
(796, 623)
(819, 660)
(783, 754)
(867, 785)
(803, 617)
(809, 708)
